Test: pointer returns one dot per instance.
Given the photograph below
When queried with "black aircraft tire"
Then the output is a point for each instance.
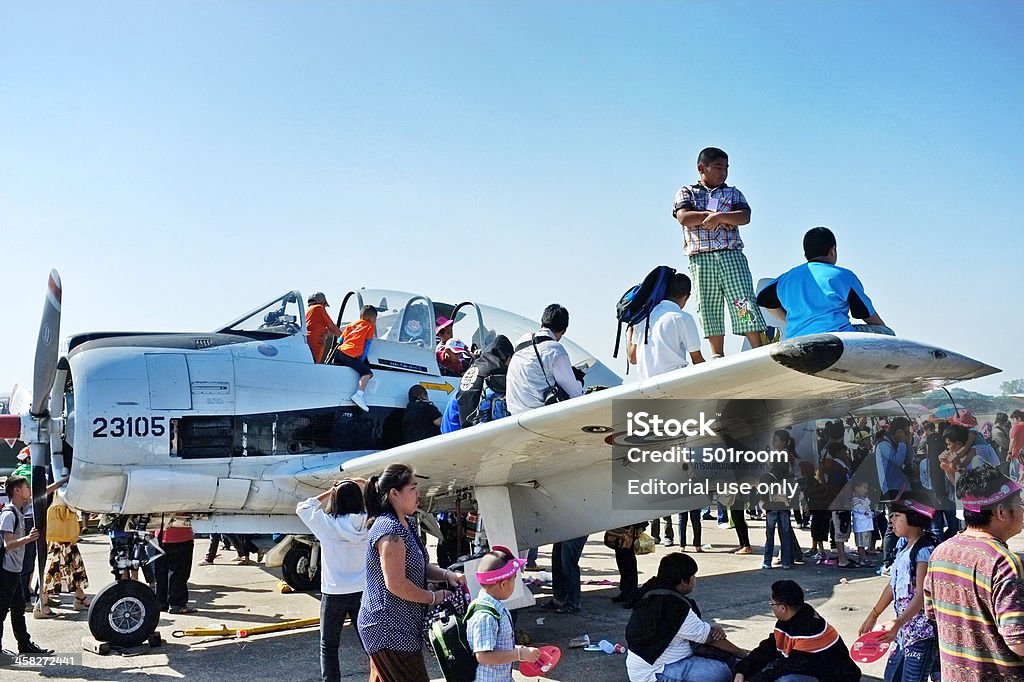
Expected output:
(124, 613)
(296, 569)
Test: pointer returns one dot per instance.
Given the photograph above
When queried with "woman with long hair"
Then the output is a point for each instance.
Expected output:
(396, 597)
(341, 529)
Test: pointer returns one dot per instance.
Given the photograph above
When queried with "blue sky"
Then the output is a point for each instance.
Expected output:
(180, 163)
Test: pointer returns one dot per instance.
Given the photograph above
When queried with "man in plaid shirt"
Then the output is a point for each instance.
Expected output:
(711, 213)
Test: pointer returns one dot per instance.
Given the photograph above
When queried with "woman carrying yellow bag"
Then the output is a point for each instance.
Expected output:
(65, 567)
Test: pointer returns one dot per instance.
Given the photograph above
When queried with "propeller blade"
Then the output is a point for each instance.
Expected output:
(42, 382)
(40, 455)
(46, 347)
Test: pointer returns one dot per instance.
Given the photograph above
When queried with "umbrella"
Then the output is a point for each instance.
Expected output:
(892, 408)
(944, 411)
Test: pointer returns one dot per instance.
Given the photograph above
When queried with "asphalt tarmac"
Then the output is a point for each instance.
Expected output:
(731, 590)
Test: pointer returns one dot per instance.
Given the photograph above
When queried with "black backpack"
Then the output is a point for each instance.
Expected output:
(636, 304)
(447, 636)
(3, 544)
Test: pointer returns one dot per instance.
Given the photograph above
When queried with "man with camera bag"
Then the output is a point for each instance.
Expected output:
(540, 372)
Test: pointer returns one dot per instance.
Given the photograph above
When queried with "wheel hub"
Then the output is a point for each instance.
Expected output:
(127, 615)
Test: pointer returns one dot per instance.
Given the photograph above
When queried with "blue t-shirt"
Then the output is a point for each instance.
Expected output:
(450, 417)
(818, 297)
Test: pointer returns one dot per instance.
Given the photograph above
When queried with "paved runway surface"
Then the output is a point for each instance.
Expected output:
(731, 590)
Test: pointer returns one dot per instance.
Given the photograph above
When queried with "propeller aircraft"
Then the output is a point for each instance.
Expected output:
(234, 427)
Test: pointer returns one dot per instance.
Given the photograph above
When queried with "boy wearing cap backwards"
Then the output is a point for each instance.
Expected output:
(493, 639)
(353, 346)
(916, 653)
(974, 589)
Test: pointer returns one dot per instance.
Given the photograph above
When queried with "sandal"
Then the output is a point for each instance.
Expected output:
(43, 612)
(82, 604)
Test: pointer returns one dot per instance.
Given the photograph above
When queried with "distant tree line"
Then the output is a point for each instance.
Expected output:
(1011, 387)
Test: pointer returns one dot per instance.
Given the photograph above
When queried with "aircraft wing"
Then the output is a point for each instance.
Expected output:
(827, 374)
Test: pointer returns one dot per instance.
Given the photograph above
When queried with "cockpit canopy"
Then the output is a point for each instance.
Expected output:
(409, 320)
(283, 316)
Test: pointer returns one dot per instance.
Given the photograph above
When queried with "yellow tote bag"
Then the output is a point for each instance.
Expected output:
(62, 524)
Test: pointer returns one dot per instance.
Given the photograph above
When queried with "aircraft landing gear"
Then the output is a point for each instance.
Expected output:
(124, 613)
(301, 567)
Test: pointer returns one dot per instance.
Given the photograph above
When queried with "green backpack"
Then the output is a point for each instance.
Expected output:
(447, 636)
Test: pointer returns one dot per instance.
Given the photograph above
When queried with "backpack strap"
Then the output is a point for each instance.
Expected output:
(485, 608)
(664, 592)
(543, 371)
(533, 342)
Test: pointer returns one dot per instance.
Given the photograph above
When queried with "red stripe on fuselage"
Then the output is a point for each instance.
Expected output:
(10, 426)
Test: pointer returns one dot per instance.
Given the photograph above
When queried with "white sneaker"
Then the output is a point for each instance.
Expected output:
(358, 400)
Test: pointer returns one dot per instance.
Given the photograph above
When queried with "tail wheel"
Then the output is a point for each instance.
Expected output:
(296, 569)
(124, 613)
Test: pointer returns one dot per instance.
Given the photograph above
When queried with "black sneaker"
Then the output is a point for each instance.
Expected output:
(33, 648)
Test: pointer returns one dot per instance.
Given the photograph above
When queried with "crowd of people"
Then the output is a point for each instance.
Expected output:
(957, 600)
(377, 573)
(944, 581)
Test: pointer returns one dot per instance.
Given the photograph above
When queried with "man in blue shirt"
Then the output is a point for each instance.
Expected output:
(891, 455)
(818, 296)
